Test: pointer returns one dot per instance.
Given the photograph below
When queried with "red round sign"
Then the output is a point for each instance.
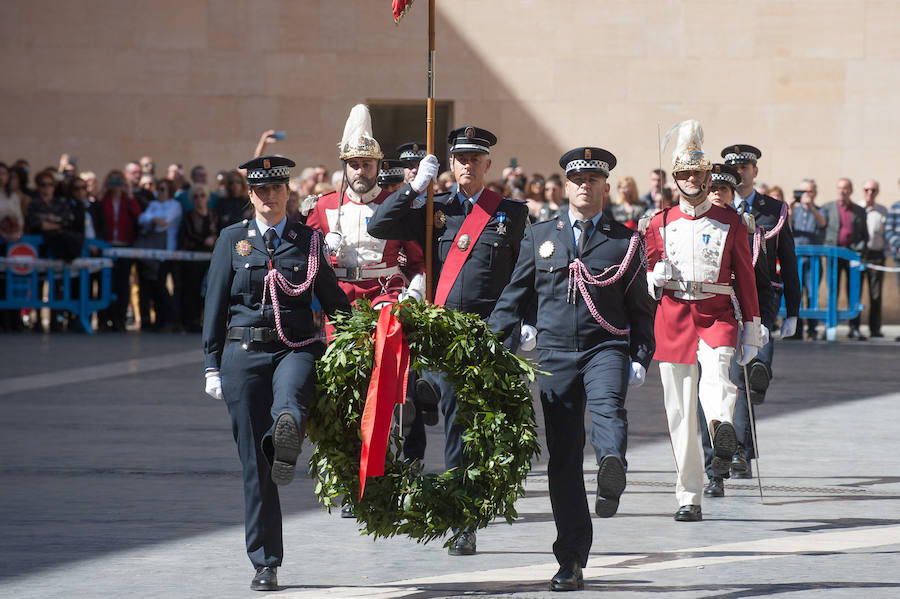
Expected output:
(24, 250)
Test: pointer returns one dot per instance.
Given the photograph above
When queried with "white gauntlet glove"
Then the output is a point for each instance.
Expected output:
(637, 375)
(333, 242)
(428, 170)
(660, 274)
(527, 338)
(789, 327)
(415, 289)
(213, 384)
(746, 353)
(764, 334)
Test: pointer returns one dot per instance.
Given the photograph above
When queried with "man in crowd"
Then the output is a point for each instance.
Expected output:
(892, 236)
(846, 227)
(477, 234)
(657, 183)
(876, 219)
(199, 177)
(808, 225)
(694, 249)
(772, 216)
(592, 346)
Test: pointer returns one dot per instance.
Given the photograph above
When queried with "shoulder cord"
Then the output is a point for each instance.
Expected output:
(273, 278)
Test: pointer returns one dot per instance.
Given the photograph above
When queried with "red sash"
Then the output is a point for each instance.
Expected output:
(473, 226)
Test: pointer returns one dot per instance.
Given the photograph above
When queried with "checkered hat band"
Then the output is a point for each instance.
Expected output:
(591, 164)
(469, 147)
(391, 172)
(741, 156)
(278, 172)
(409, 154)
(724, 178)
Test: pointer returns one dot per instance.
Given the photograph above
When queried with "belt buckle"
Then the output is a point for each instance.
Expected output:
(354, 273)
(695, 287)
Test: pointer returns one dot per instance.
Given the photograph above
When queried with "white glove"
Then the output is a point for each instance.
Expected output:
(747, 353)
(660, 274)
(637, 375)
(213, 384)
(428, 170)
(527, 338)
(333, 242)
(764, 334)
(789, 327)
(409, 293)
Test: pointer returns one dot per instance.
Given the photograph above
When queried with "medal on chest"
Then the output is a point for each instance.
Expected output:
(243, 247)
(463, 242)
(501, 225)
(439, 219)
(546, 250)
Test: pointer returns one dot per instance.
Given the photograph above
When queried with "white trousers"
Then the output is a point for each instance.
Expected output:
(717, 395)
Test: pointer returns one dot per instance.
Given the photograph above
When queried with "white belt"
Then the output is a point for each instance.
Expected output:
(697, 287)
(361, 273)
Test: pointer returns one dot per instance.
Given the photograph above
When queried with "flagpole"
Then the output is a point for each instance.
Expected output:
(429, 144)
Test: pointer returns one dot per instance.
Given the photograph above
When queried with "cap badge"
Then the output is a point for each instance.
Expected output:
(546, 250)
(415, 147)
(737, 149)
(267, 163)
(470, 132)
(463, 242)
(718, 169)
(243, 247)
(439, 219)
(587, 153)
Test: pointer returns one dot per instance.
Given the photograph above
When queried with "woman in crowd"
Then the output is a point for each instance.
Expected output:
(159, 225)
(534, 198)
(120, 215)
(12, 219)
(198, 233)
(628, 207)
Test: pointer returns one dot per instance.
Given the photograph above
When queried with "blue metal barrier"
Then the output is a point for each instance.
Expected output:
(810, 259)
(23, 289)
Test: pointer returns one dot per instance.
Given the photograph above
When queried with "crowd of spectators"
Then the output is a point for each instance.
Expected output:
(73, 210)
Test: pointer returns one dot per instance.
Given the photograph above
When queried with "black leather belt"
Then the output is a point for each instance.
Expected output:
(247, 335)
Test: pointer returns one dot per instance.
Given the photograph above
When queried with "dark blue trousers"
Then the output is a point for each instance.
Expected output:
(596, 379)
(259, 384)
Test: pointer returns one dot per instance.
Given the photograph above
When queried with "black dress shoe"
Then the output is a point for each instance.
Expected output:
(876, 335)
(689, 513)
(266, 579)
(286, 441)
(347, 512)
(715, 488)
(568, 578)
(464, 545)
(725, 443)
(759, 382)
(427, 399)
(855, 334)
(740, 467)
(610, 484)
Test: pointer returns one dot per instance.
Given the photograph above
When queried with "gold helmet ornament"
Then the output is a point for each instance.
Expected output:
(357, 141)
(688, 152)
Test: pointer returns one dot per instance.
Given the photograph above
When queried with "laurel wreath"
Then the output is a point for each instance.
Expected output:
(494, 407)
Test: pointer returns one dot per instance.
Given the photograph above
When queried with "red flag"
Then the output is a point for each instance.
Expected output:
(400, 7)
(387, 387)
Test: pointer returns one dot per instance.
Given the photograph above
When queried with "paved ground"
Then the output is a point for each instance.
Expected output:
(119, 478)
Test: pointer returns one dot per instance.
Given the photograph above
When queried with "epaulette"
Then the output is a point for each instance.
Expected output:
(308, 203)
(514, 200)
(644, 221)
(749, 222)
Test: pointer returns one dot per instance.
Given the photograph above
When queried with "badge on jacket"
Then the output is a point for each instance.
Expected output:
(243, 247)
(439, 219)
(546, 250)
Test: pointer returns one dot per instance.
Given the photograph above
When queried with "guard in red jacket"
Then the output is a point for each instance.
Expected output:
(693, 250)
(366, 267)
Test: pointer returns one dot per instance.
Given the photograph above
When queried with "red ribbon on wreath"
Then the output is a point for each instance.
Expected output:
(387, 388)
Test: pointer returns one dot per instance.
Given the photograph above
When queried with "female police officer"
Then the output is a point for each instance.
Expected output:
(261, 346)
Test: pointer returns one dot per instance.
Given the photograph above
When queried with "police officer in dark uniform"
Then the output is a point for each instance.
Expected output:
(772, 216)
(261, 346)
(723, 182)
(471, 266)
(595, 337)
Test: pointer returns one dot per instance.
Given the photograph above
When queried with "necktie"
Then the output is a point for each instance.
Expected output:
(467, 206)
(585, 226)
(269, 237)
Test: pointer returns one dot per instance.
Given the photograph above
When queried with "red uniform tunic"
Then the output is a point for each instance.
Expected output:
(705, 243)
(366, 266)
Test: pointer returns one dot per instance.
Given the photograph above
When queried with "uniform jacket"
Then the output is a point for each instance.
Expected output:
(545, 278)
(360, 249)
(859, 235)
(490, 262)
(235, 286)
(780, 248)
(707, 243)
